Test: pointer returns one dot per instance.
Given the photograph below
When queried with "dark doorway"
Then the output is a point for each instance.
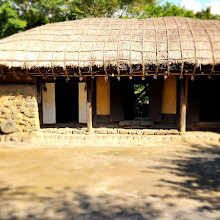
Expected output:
(209, 99)
(141, 101)
(129, 99)
(136, 97)
(203, 100)
(66, 101)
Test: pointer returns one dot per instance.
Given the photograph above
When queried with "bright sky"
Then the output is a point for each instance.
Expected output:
(197, 5)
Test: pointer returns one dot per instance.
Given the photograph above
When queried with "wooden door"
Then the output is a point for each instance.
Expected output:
(155, 99)
(82, 102)
(116, 100)
(48, 102)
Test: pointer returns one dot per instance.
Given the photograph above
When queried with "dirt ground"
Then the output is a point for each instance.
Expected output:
(160, 181)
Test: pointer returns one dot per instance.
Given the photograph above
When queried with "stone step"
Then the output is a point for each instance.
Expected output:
(136, 123)
(16, 138)
(92, 139)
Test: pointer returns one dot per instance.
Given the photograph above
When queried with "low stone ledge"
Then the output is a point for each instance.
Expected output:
(121, 131)
(86, 139)
(16, 138)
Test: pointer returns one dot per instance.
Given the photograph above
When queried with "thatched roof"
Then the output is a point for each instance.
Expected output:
(104, 42)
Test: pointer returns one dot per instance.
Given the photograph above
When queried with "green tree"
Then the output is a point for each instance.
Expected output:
(38, 12)
(17, 15)
(103, 8)
(10, 22)
(92, 8)
(156, 10)
(206, 14)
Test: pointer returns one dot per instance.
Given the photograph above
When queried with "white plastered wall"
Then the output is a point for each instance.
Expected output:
(82, 102)
(49, 105)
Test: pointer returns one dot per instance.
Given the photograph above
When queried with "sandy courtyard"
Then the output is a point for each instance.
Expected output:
(162, 181)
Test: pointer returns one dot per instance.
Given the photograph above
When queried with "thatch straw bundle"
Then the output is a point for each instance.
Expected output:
(103, 42)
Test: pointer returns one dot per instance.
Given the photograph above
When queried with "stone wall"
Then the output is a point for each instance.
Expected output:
(19, 103)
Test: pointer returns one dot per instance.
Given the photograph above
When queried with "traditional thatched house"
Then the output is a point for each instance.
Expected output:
(90, 70)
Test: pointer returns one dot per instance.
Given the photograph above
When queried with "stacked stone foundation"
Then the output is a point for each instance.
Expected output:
(19, 103)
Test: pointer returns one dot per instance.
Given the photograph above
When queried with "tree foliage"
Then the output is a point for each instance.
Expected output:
(155, 10)
(10, 22)
(91, 8)
(17, 15)
(206, 14)
(38, 12)
(141, 101)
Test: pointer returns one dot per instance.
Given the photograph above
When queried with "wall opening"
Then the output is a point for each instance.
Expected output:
(203, 100)
(209, 107)
(141, 100)
(66, 94)
(136, 99)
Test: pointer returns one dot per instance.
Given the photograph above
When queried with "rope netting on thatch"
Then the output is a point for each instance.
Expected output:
(122, 43)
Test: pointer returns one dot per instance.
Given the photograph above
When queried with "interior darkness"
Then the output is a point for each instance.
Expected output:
(209, 99)
(205, 94)
(66, 94)
(136, 98)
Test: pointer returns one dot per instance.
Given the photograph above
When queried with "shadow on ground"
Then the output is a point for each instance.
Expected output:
(200, 169)
(198, 172)
(71, 205)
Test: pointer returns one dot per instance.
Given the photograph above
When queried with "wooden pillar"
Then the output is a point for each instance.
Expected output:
(89, 104)
(182, 106)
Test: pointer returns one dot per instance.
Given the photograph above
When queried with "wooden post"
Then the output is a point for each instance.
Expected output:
(89, 105)
(182, 106)
(94, 115)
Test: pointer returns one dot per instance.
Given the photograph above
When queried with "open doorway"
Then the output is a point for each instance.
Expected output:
(66, 101)
(203, 100)
(136, 98)
(209, 107)
(141, 100)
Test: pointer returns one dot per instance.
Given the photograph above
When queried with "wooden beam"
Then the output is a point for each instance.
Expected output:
(2, 72)
(53, 73)
(44, 76)
(80, 75)
(106, 74)
(112, 75)
(119, 72)
(182, 106)
(156, 73)
(187, 91)
(14, 73)
(94, 115)
(89, 105)
(67, 75)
